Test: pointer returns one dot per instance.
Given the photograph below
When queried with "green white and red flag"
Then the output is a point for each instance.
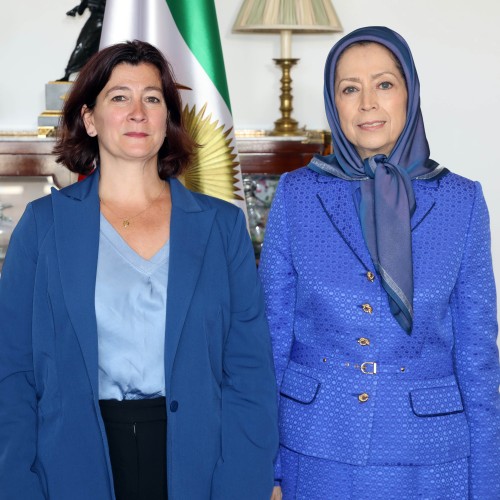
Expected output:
(187, 33)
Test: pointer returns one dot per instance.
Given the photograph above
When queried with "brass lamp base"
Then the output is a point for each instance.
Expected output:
(286, 125)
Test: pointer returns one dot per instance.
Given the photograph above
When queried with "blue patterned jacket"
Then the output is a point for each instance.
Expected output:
(434, 397)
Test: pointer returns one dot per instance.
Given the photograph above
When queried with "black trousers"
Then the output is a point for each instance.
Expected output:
(136, 432)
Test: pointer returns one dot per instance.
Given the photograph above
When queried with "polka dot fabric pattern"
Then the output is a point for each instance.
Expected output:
(419, 413)
(316, 479)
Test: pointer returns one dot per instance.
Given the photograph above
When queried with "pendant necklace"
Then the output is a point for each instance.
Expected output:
(127, 220)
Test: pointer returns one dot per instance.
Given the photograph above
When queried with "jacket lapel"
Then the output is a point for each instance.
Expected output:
(76, 224)
(425, 194)
(190, 227)
(336, 201)
(346, 220)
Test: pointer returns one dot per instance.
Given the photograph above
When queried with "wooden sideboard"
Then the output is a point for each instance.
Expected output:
(28, 169)
(263, 159)
(30, 156)
(259, 153)
(265, 154)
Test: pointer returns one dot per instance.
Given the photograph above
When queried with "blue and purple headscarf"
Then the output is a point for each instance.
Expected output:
(386, 201)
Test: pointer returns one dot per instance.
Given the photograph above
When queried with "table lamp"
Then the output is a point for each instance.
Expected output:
(287, 17)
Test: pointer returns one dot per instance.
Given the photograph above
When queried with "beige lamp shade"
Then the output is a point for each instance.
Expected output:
(305, 16)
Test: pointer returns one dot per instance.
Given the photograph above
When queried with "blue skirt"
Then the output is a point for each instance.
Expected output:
(310, 478)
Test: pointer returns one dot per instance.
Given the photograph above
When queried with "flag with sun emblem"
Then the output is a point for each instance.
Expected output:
(187, 33)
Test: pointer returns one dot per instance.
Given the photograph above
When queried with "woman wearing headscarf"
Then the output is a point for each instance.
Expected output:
(381, 301)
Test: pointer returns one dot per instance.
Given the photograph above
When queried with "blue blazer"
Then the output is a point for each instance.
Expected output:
(355, 388)
(220, 385)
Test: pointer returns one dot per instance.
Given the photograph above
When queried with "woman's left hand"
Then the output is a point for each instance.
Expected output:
(276, 494)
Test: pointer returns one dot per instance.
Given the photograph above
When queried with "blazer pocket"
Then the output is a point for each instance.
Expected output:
(436, 401)
(299, 387)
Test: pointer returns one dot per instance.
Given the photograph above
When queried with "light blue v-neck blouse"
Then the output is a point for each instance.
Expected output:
(130, 304)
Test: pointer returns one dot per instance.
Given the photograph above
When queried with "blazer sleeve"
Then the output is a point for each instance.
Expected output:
(249, 413)
(18, 401)
(473, 304)
(279, 280)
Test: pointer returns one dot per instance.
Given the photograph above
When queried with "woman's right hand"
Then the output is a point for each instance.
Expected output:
(276, 494)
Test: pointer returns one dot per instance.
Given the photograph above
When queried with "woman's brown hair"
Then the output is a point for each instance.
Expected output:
(79, 152)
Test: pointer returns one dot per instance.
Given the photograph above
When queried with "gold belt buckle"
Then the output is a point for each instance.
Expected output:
(369, 367)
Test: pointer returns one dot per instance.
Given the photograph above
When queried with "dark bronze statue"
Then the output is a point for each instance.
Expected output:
(88, 40)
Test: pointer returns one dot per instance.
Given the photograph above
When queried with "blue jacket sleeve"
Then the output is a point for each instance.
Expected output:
(249, 413)
(279, 280)
(473, 306)
(18, 401)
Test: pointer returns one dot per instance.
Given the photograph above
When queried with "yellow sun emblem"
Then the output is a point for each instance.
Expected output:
(213, 170)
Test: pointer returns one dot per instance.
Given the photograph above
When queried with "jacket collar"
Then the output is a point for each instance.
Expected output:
(88, 188)
(346, 221)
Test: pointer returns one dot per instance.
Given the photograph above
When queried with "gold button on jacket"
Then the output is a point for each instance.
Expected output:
(367, 308)
(363, 397)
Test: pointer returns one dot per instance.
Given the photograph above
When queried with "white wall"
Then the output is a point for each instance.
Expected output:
(455, 43)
